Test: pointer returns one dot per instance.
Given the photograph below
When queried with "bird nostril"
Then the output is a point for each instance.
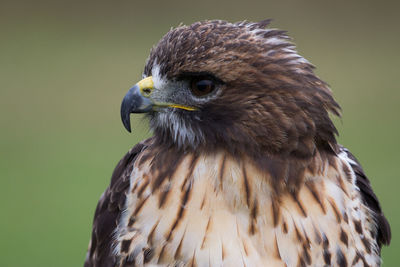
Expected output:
(146, 91)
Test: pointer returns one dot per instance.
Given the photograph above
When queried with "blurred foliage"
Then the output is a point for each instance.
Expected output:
(65, 66)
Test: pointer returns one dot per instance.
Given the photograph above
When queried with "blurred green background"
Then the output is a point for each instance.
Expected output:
(65, 66)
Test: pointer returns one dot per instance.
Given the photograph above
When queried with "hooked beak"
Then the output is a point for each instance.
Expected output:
(137, 101)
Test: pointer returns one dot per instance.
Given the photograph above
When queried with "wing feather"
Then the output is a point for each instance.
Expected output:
(109, 210)
(370, 200)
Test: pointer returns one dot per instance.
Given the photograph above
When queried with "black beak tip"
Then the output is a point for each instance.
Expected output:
(125, 115)
(128, 126)
(126, 120)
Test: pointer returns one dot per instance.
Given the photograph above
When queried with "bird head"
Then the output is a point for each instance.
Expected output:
(239, 86)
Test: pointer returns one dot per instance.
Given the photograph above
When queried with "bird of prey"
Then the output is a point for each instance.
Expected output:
(243, 168)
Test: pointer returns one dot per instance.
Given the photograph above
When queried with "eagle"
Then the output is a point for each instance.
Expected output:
(243, 168)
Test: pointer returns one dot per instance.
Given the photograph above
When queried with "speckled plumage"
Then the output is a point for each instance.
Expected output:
(253, 177)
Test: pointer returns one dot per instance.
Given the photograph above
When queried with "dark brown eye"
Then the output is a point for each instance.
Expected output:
(200, 87)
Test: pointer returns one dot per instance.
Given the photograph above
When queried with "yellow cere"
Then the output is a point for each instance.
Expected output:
(146, 83)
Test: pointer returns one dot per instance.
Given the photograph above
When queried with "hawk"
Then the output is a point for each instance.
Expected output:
(243, 168)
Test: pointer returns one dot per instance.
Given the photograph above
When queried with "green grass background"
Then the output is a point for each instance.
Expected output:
(65, 66)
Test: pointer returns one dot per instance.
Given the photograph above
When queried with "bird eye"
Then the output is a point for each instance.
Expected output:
(202, 87)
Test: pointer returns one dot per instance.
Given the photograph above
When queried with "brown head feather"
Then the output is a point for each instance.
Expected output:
(270, 100)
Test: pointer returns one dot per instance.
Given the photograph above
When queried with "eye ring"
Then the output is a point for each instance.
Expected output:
(202, 86)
